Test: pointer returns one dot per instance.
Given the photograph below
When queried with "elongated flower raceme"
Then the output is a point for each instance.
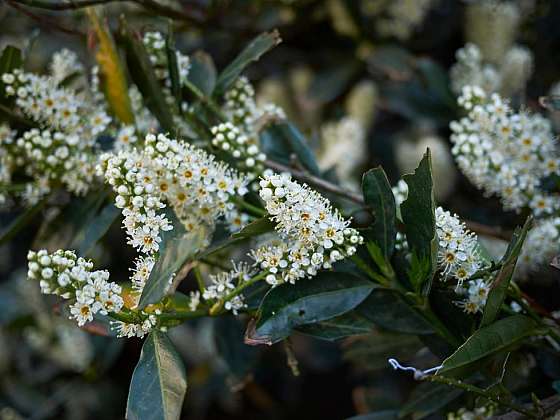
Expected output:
(506, 153)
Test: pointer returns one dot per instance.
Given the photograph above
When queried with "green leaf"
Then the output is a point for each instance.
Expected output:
(500, 284)
(203, 72)
(282, 140)
(112, 73)
(9, 61)
(331, 83)
(389, 310)
(159, 382)
(96, 229)
(488, 341)
(377, 415)
(347, 325)
(379, 196)
(172, 66)
(143, 75)
(255, 228)
(418, 213)
(314, 300)
(252, 52)
(20, 222)
(426, 399)
(176, 248)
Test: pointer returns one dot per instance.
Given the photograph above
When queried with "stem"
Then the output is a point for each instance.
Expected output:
(183, 315)
(362, 265)
(217, 308)
(440, 327)
(482, 392)
(207, 102)
(257, 211)
(199, 279)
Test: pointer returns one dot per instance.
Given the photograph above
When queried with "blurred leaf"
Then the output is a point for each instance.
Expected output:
(347, 325)
(96, 229)
(379, 196)
(280, 140)
(142, 73)
(21, 222)
(436, 80)
(252, 52)
(377, 415)
(426, 399)
(255, 228)
(9, 61)
(418, 213)
(112, 73)
(173, 66)
(159, 381)
(389, 310)
(228, 334)
(203, 72)
(500, 284)
(488, 341)
(176, 247)
(317, 299)
(331, 83)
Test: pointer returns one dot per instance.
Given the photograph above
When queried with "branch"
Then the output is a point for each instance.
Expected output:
(151, 5)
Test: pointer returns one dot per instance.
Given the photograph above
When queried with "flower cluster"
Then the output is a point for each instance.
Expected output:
(315, 236)
(228, 138)
(478, 413)
(505, 153)
(224, 283)
(156, 46)
(541, 246)
(72, 278)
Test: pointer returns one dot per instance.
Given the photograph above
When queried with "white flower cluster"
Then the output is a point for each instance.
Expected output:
(540, 247)
(397, 18)
(224, 283)
(72, 278)
(478, 413)
(507, 78)
(228, 138)
(155, 45)
(65, 64)
(505, 153)
(457, 256)
(314, 235)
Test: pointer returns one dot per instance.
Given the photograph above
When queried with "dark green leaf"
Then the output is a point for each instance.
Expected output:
(379, 196)
(282, 140)
(176, 248)
(426, 399)
(9, 61)
(96, 229)
(347, 325)
(389, 310)
(255, 228)
(418, 213)
(20, 222)
(317, 299)
(500, 284)
(159, 382)
(143, 75)
(331, 83)
(228, 335)
(252, 52)
(203, 72)
(488, 341)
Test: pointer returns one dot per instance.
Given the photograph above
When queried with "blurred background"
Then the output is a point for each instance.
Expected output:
(370, 82)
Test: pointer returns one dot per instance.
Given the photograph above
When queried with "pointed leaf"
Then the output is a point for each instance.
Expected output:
(159, 382)
(418, 213)
(255, 228)
(379, 196)
(112, 74)
(486, 342)
(97, 228)
(252, 52)
(347, 325)
(501, 282)
(314, 300)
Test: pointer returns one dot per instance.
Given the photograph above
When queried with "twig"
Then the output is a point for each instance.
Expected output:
(47, 23)
(315, 181)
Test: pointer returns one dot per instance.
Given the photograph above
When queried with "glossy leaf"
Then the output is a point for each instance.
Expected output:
(426, 399)
(389, 310)
(142, 73)
(347, 325)
(501, 282)
(488, 341)
(97, 228)
(203, 72)
(111, 70)
(176, 248)
(282, 140)
(314, 300)
(379, 196)
(252, 52)
(159, 382)
(255, 228)
(418, 213)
